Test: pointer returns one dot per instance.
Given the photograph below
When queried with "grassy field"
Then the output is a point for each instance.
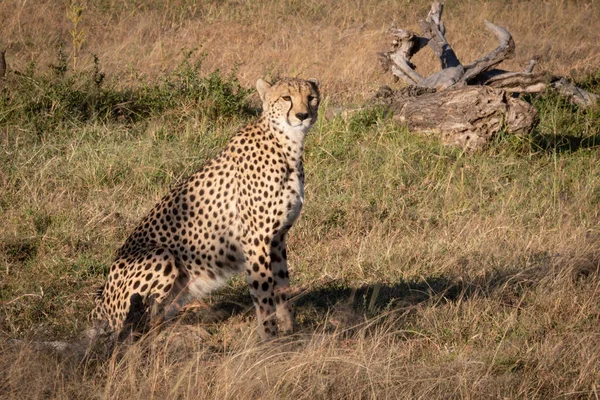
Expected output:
(430, 273)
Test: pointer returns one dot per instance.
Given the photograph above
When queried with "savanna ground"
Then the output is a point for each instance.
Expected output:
(430, 273)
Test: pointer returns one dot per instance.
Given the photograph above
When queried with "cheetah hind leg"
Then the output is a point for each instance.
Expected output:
(166, 309)
(136, 321)
(165, 297)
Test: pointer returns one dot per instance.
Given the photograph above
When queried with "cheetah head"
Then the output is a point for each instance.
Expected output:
(290, 103)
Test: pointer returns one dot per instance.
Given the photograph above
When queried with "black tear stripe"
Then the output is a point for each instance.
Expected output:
(287, 115)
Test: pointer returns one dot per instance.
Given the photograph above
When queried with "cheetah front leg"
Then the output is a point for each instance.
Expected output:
(281, 277)
(260, 280)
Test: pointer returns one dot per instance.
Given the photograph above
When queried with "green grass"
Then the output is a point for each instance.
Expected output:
(449, 272)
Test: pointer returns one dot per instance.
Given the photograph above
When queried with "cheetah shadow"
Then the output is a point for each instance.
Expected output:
(564, 143)
(338, 304)
(335, 305)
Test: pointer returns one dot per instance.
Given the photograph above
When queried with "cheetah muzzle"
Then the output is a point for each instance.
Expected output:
(232, 215)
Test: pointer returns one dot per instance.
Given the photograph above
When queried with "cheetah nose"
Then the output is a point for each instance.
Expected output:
(302, 116)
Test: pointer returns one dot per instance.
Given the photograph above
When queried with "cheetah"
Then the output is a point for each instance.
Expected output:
(231, 216)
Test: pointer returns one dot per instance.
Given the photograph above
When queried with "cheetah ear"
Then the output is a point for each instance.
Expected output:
(262, 86)
(314, 81)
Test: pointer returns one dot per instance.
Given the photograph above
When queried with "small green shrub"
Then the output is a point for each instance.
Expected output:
(366, 118)
(43, 102)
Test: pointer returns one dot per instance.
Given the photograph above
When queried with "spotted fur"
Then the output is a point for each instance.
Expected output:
(231, 216)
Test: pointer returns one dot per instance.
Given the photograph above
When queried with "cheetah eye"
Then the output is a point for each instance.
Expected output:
(286, 98)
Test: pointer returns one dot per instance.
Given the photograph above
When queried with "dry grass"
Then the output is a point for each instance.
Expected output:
(526, 336)
(430, 273)
(334, 41)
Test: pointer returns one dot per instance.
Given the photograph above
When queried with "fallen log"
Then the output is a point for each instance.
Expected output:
(467, 117)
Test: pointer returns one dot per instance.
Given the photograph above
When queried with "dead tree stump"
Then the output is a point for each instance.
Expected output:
(466, 104)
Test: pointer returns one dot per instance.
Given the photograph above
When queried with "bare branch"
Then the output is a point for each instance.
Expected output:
(434, 30)
(532, 63)
(405, 45)
(519, 82)
(524, 82)
(435, 16)
(407, 42)
(577, 95)
(505, 50)
(403, 71)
